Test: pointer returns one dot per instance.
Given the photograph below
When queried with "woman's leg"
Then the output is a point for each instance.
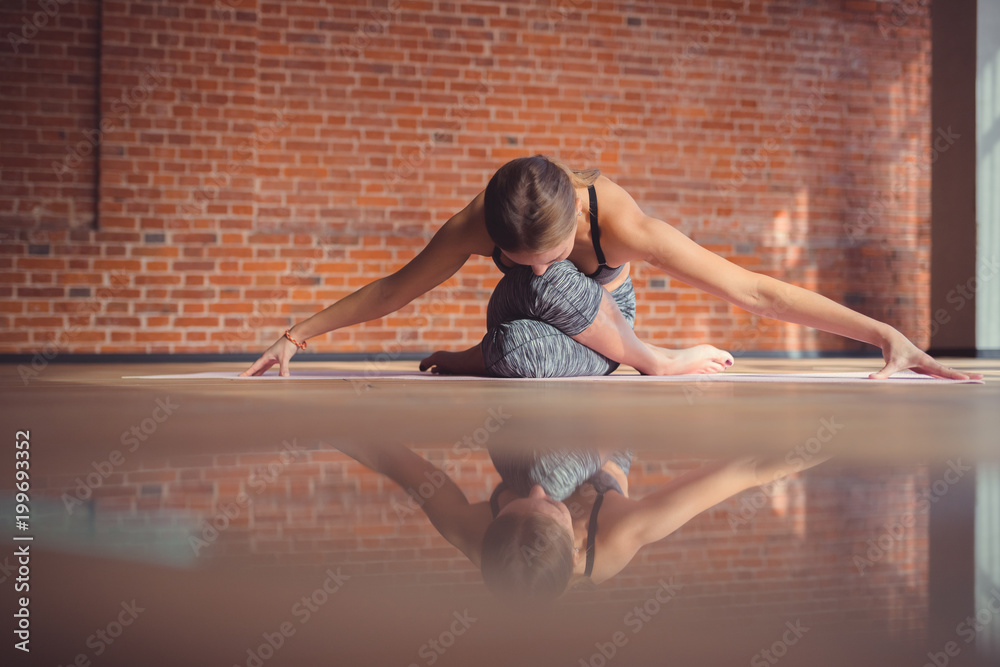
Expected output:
(557, 325)
(563, 324)
(530, 348)
(535, 323)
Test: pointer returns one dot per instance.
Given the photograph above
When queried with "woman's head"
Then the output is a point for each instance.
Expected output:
(528, 550)
(531, 204)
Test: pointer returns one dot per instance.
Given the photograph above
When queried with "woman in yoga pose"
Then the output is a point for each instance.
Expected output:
(565, 306)
(562, 519)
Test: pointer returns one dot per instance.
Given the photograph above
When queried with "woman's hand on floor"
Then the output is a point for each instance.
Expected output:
(280, 353)
(900, 354)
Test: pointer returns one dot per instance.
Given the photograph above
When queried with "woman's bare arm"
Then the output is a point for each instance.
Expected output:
(460, 522)
(660, 513)
(445, 254)
(652, 240)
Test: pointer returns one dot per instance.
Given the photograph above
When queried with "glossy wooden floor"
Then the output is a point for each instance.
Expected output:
(77, 412)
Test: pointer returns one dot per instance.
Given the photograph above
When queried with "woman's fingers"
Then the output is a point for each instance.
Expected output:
(268, 362)
(926, 366)
(886, 371)
(937, 369)
(279, 353)
(258, 367)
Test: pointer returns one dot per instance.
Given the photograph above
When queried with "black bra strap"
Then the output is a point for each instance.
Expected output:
(495, 499)
(592, 535)
(497, 260)
(595, 231)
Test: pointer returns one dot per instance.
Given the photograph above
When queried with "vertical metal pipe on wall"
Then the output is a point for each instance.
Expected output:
(97, 113)
(953, 176)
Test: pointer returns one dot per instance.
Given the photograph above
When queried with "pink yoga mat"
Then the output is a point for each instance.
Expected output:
(904, 377)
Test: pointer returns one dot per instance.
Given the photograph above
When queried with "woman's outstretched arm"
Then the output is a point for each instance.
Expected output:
(431, 490)
(674, 253)
(445, 254)
(658, 514)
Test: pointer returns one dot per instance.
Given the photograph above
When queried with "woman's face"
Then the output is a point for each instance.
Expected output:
(540, 261)
(541, 502)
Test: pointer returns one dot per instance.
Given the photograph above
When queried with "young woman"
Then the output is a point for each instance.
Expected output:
(565, 305)
(561, 519)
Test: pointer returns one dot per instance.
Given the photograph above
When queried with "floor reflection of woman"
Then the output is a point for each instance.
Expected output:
(562, 519)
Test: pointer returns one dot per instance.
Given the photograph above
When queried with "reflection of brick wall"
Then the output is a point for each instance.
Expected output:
(261, 160)
(796, 549)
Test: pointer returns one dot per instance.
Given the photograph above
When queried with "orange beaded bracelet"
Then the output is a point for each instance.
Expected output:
(288, 335)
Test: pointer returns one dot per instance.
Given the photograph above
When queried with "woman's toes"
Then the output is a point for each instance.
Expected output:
(722, 358)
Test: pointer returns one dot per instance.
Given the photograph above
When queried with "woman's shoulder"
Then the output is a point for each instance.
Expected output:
(615, 470)
(612, 552)
(615, 203)
(624, 232)
(477, 520)
(470, 224)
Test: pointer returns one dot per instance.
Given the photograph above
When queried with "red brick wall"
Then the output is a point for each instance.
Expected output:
(259, 160)
(795, 546)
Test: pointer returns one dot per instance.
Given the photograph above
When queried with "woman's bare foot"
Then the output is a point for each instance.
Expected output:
(466, 362)
(699, 359)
